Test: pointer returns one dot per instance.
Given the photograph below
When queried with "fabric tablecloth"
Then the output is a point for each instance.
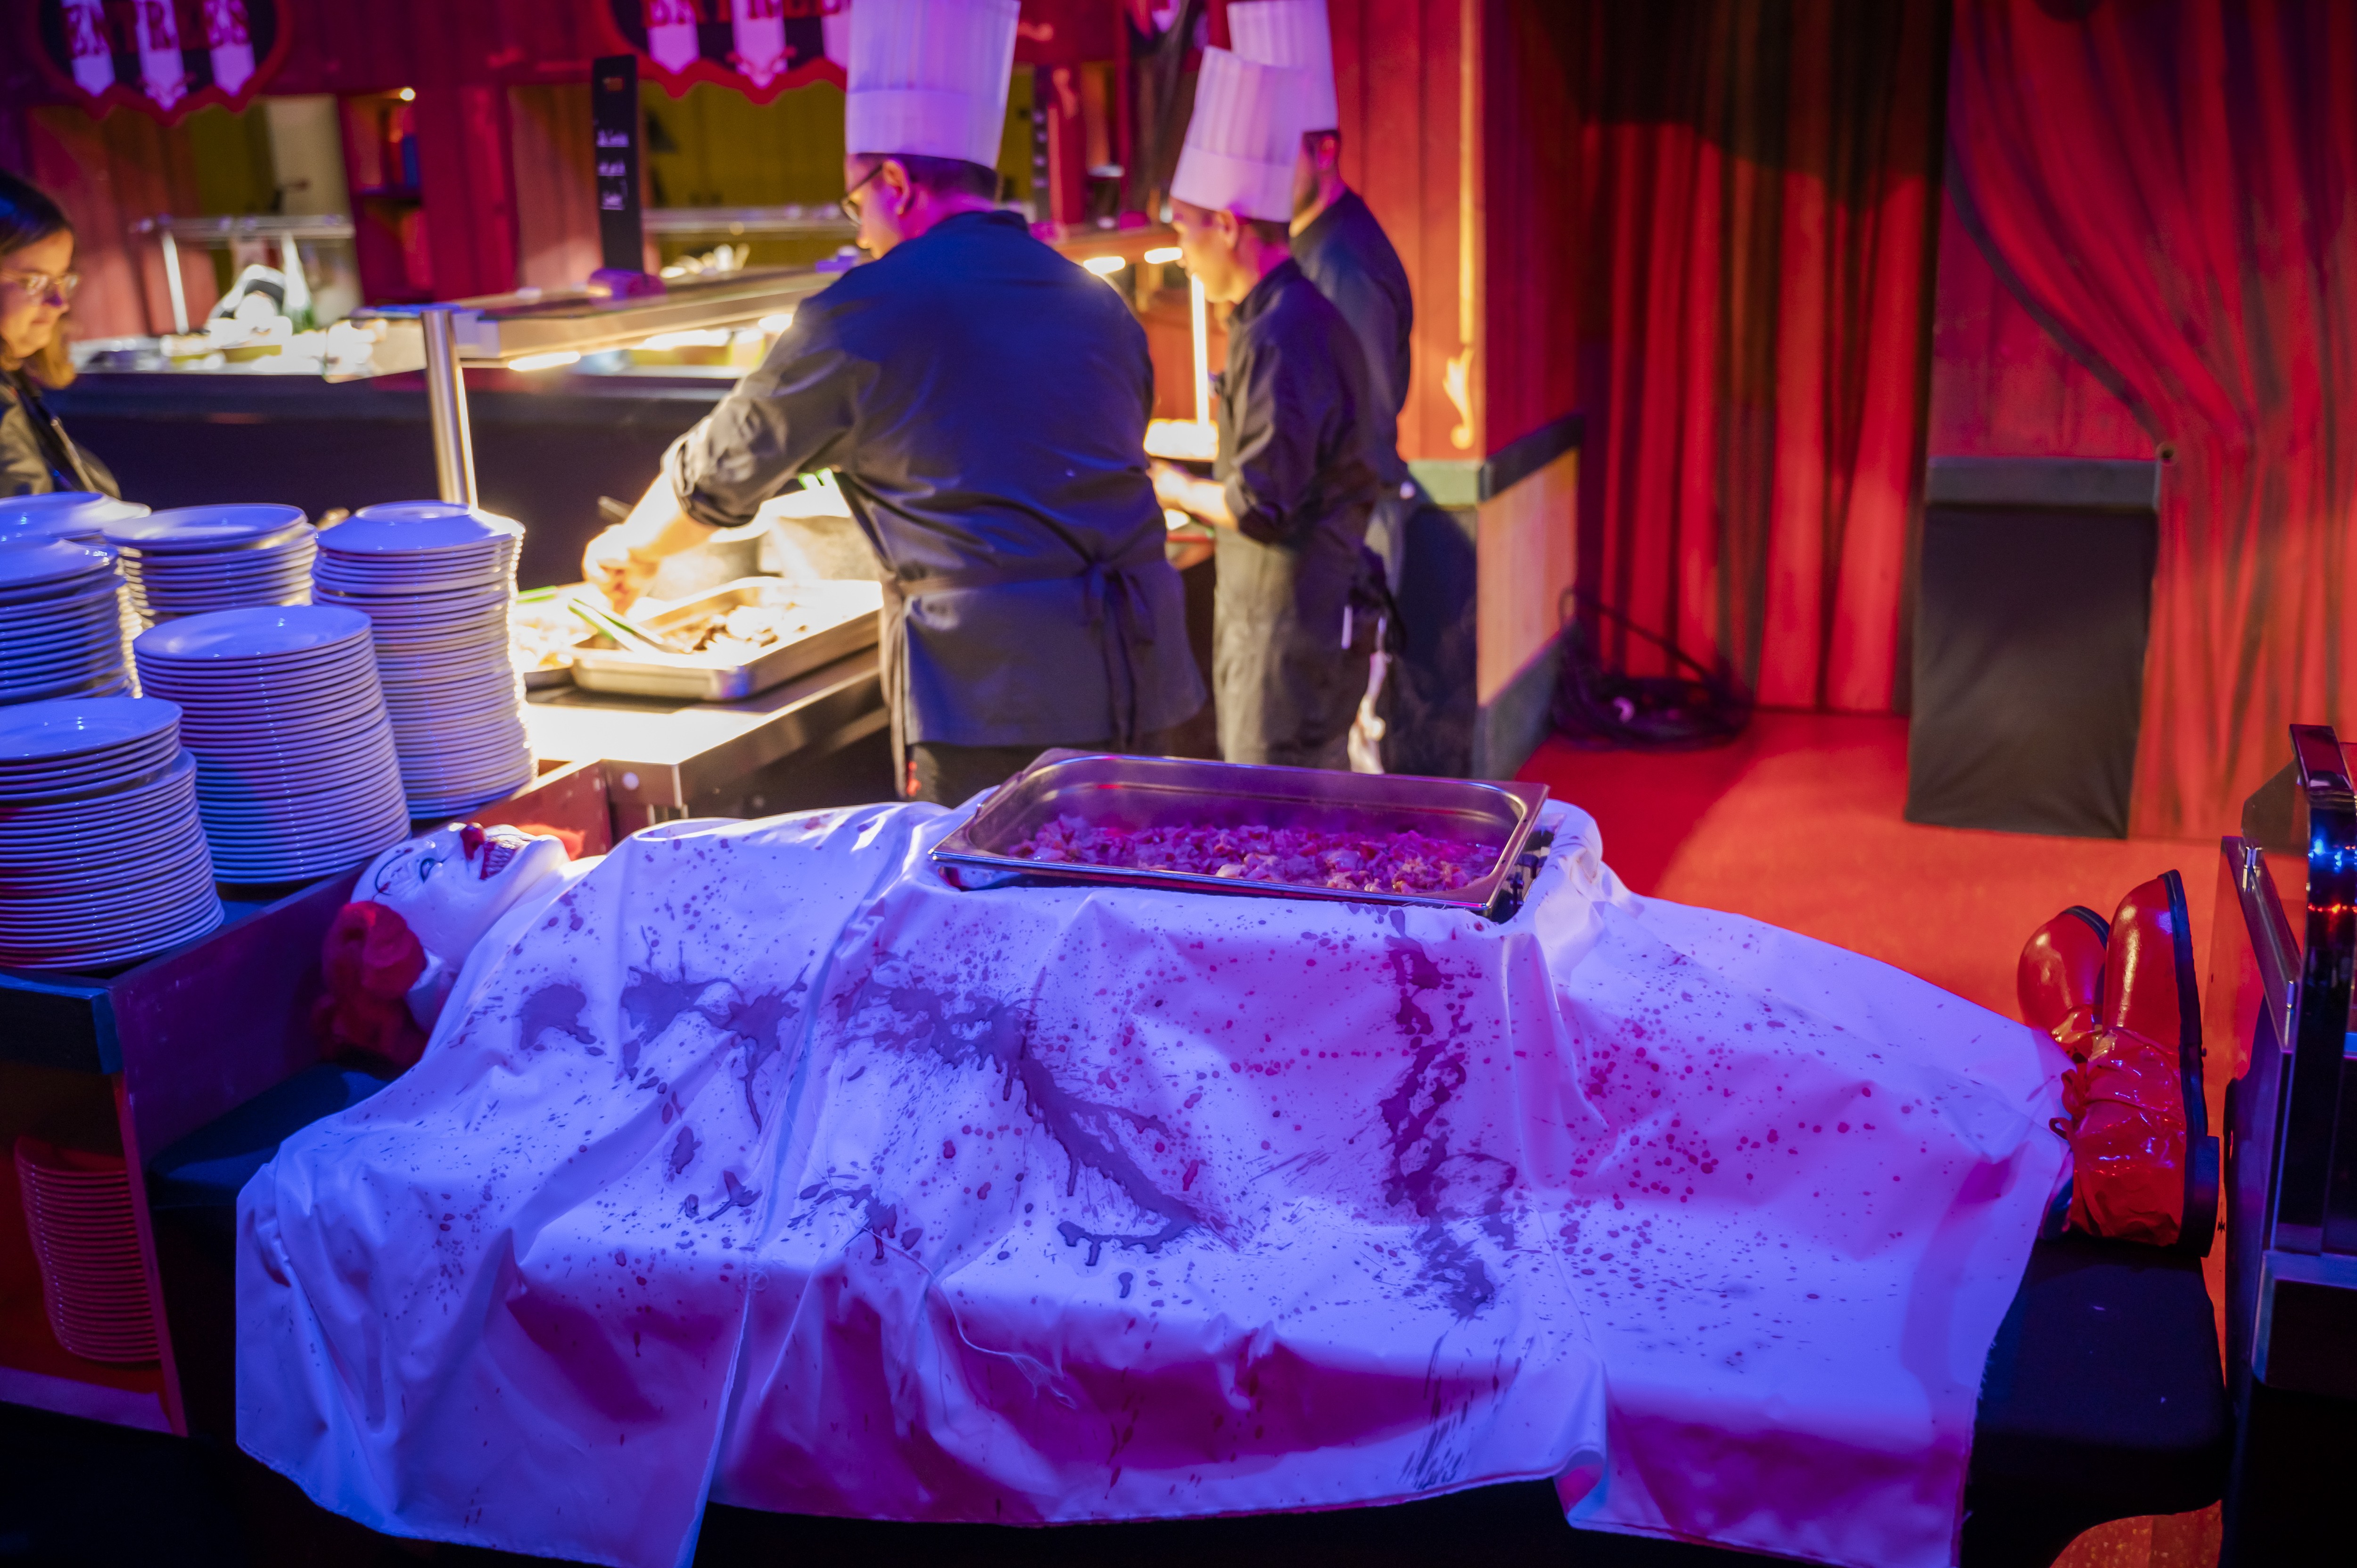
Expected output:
(756, 1162)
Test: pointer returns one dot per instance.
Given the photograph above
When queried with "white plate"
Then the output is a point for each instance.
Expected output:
(153, 789)
(207, 726)
(331, 814)
(479, 676)
(410, 527)
(494, 578)
(455, 737)
(371, 571)
(153, 585)
(28, 563)
(103, 682)
(60, 732)
(111, 774)
(162, 907)
(420, 786)
(270, 555)
(64, 514)
(99, 597)
(453, 725)
(75, 669)
(406, 625)
(37, 917)
(100, 953)
(157, 906)
(32, 865)
(447, 744)
(202, 529)
(234, 783)
(68, 641)
(351, 667)
(263, 635)
(406, 645)
(440, 797)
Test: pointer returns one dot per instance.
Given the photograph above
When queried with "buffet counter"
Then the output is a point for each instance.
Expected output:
(793, 746)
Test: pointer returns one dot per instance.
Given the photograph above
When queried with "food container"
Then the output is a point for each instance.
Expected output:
(1149, 791)
(542, 632)
(842, 621)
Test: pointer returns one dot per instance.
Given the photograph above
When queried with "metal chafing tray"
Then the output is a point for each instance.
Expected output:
(1145, 791)
(843, 622)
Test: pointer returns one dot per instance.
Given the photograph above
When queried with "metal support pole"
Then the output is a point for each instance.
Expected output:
(446, 407)
(172, 281)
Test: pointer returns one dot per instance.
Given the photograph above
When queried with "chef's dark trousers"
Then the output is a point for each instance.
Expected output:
(953, 774)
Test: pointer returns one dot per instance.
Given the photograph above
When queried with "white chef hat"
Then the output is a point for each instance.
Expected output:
(1291, 33)
(1242, 139)
(927, 77)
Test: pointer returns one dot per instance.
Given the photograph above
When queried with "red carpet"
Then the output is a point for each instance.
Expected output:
(1799, 824)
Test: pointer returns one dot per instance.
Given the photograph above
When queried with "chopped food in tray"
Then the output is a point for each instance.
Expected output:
(740, 632)
(542, 631)
(1402, 862)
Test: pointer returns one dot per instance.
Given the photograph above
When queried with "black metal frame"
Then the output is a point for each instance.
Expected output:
(2291, 1173)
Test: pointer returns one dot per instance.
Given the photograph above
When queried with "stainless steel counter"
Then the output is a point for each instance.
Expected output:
(666, 759)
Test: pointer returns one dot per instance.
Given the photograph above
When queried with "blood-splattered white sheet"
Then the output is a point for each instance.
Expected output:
(760, 1164)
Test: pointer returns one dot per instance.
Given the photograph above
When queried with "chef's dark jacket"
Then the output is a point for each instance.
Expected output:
(1293, 585)
(982, 402)
(1426, 702)
(1345, 254)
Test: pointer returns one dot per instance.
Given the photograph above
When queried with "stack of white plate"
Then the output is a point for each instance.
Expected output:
(437, 581)
(60, 629)
(295, 772)
(85, 1240)
(196, 559)
(103, 859)
(78, 517)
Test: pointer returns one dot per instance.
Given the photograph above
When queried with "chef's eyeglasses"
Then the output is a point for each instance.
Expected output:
(850, 208)
(43, 285)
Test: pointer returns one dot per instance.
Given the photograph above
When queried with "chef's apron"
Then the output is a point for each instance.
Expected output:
(1113, 607)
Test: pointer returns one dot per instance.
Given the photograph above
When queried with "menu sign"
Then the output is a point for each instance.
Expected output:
(163, 58)
(761, 48)
(614, 132)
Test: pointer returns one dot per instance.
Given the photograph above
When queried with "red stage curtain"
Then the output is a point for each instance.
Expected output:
(1760, 188)
(2171, 186)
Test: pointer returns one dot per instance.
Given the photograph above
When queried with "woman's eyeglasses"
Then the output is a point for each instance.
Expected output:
(59, 287)
(850, 208)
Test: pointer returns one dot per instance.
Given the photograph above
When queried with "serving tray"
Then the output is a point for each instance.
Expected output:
(1135, 792)
(843, 621)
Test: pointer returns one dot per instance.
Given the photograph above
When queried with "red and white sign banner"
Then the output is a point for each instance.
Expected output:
(163, 58)
(761, 48)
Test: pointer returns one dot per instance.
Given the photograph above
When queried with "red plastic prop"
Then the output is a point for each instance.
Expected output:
(370, 959)
(2128, 1152)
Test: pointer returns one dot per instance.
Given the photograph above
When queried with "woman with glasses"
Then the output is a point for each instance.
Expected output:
(36, 283)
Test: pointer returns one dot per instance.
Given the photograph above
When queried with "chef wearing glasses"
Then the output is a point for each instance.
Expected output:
(981, 402)
(36, 283)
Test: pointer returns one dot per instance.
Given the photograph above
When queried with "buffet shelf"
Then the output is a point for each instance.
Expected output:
(135, 1060)
(664, 759)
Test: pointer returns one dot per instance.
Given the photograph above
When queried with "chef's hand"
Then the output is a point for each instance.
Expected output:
(615, 570)
(622, 562)
(1171, 483)
(1180, 491)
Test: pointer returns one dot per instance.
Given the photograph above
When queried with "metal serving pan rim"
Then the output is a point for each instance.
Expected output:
(1477, 897)
(628, 659)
